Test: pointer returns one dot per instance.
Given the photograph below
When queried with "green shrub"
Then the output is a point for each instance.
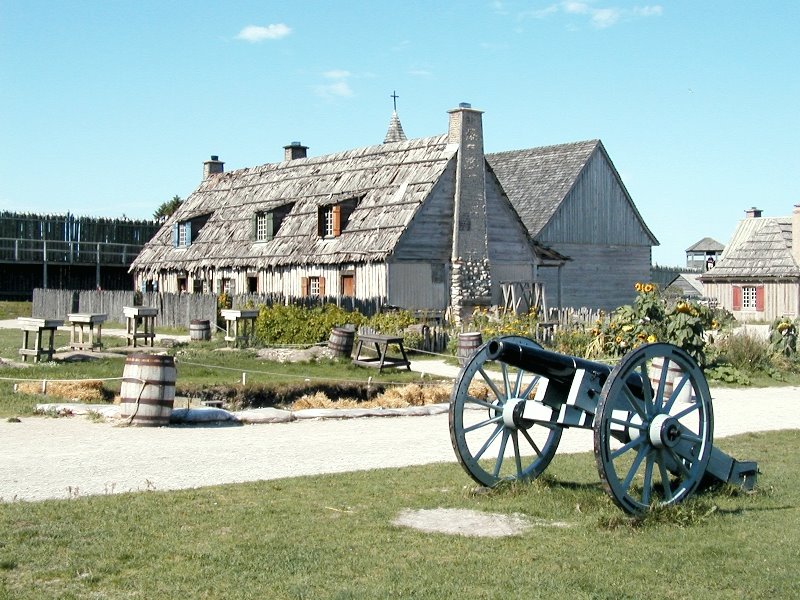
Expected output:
(292, 324)
(393, 322)
(744, 352)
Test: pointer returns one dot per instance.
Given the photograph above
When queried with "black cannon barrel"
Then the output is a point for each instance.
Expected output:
(552, 365)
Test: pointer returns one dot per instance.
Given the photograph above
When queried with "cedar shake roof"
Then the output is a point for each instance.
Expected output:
(538, 180)
(760, 247)
(707, 244)
(388, 181)
(395, 132)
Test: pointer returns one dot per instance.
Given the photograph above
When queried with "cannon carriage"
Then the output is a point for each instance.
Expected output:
(651, 417)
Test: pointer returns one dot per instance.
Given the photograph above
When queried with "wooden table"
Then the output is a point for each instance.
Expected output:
(80, 338)
(136, 316)
(381, 343)
(38, 327)
(240, 325)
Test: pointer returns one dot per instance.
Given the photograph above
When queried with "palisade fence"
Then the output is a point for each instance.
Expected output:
(174, 310)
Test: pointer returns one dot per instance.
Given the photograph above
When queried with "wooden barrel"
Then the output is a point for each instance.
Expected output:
(674, 373)
(148, 390)
(341, 341)
(468, 343)
(199, 330)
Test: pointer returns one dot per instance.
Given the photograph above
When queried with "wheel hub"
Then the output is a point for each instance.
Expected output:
(664, 431)
(512, 412)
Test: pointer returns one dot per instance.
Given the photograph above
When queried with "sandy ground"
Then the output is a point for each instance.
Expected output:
(44, 458)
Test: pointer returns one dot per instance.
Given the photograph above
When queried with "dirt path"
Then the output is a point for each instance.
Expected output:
(66, 457)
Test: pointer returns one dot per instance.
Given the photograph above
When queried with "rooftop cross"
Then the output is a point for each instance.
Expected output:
(394, 98)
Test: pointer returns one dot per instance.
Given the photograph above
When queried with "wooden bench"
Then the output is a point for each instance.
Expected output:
(380, 344)
(240, 325)
(38, 327)
(80, 338)
(136, 316)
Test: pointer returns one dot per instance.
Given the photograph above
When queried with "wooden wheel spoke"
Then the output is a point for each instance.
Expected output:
(528, 437)
(628, 423)
(489, 441)
(632, 444)
(501, 453)
(527, 392)
(479, 425)
(648, 478)
(633, 402)
(679, 463)
(517, 458)
(483, 403)
(687, 411)
(634, 467)
(666, 484)
(491, 385)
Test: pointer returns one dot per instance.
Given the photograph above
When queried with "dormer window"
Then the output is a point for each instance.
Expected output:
(266, 223)
(185, 232)
(332, 219)
(182, 234)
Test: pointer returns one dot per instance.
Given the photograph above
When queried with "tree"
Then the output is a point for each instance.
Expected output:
(167, 208)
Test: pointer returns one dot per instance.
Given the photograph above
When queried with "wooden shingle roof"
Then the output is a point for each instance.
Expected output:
(536, 180)
(760, 247)
(389, 181)
(707, 244)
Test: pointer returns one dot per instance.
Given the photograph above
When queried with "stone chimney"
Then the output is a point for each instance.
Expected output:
(796, 233)
(471, 283)
(212, 167)
(294, 150)
(753, 213)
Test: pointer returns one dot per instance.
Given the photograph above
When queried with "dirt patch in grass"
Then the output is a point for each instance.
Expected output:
(470, 523)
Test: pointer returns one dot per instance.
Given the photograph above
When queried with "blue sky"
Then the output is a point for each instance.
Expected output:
(109, 108)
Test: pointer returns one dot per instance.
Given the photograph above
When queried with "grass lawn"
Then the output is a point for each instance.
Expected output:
(334, 537)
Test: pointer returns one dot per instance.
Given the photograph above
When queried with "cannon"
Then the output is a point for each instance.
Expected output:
(651, 416)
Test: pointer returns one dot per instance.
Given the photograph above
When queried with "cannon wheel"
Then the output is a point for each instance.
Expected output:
(486, 414)
(652, 448)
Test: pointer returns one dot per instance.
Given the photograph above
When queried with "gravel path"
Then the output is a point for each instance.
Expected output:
(44, 458)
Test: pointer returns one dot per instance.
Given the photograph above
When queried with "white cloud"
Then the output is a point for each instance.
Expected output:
(257, 33)
(336, 74)
(338, 88)
(599, 17)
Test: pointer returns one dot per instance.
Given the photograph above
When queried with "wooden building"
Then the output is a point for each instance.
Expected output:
(758, 275)
(572, 199)
(703, 255)
(425, 224)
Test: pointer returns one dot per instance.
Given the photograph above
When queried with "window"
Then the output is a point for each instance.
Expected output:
(748, 297)
(182, 234)
(332, 219)
(312, 286)
(266, 223)
(261, 226)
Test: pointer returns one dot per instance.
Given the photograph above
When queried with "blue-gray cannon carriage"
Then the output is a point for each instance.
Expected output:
(651, 416)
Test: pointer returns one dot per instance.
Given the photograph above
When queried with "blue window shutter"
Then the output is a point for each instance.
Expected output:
(175, 235)
(188, 232)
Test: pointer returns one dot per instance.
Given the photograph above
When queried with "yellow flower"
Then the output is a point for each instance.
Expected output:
(647, 288)
(637, 286)
(651, 338)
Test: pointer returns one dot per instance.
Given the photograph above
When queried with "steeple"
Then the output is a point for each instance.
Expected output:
(395, 133)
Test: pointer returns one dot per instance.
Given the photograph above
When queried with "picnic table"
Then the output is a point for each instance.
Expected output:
(33, 330)
(82, 336)
(380, 344)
